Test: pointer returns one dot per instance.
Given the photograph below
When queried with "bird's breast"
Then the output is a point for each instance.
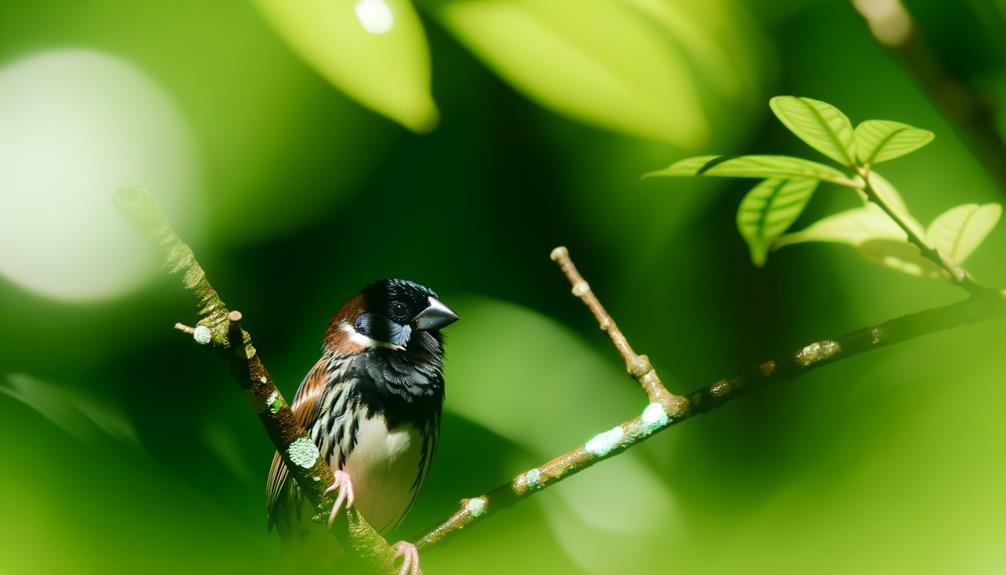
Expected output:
(384, 467)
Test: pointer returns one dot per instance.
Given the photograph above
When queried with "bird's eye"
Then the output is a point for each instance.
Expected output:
(398, 310)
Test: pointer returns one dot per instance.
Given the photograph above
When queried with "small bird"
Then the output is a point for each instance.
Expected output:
(372, 405)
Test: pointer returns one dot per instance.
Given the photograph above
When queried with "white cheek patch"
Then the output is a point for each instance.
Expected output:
(366, 341)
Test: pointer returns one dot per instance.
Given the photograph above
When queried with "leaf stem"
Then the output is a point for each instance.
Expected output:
(958, 275)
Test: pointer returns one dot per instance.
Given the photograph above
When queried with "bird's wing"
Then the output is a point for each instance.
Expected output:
(305, 410)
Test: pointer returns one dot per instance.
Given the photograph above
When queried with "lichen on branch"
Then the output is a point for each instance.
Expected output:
(219, 329)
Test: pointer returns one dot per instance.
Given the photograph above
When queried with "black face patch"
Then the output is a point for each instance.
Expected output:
(397, 300)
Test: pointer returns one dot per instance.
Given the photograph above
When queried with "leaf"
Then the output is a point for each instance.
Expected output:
(86, 418)
(768, 210)
(821, 125)
(874, 235)
(373, 50)
(599, 62)
(888, 194)
(881, 140)
(851, 227)
(758, 166)
(899, 255)
(957, 232)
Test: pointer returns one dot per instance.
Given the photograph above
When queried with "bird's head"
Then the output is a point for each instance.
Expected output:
(387, 314)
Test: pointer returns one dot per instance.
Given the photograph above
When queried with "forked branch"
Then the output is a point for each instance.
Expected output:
(666, 409)
(219, 329)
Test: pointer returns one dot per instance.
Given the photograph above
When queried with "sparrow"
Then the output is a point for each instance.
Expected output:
(372, 404)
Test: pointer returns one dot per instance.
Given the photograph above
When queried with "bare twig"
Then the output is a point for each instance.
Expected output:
(638, 366)
(220, 330)
(672, 409)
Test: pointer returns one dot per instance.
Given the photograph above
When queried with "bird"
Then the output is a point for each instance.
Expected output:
(372, 405)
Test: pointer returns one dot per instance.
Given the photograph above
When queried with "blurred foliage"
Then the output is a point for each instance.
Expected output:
(129, 450)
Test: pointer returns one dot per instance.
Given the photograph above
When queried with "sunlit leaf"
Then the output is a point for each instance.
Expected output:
(821, 125)
(874, 235)
(887, 193)
(851, 227)
(599, 62)
(881, 140)
(714, 36)
(373, 50)
(768, 210)
(899, 255)
(758, 166)
(957, 232)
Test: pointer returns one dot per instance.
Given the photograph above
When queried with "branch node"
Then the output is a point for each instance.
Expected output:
(581, 288)
(559, 253)
(640, 366)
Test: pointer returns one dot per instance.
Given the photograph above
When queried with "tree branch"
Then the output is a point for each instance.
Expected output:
(219, 329)
(669, 409)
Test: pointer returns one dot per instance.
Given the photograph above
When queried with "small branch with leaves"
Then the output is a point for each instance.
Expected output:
(882, 230)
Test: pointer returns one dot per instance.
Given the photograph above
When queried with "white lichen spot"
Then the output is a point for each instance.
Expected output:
(654, 416)
(202, 334)
(876, 335)
(602, 443)
(476, 506)
(533, 478)
(263, 379)
(303, 452)
(817, 352)
(581, 287)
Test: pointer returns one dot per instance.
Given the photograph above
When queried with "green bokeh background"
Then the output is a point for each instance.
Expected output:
(129, 450)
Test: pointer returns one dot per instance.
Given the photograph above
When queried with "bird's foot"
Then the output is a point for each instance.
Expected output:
(344, 485)
(410, 558)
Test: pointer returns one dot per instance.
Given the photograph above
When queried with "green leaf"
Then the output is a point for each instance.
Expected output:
(373, 50)
(888, 194)
(899, 255)
(89, 419)
(957, 232)
(873, 234)
(768, 210)
(852, 227)
(752, 167)
(821, 125)
(599, 62)
(881, 140)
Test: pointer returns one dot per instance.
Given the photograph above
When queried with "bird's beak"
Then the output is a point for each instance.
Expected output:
(435, 316)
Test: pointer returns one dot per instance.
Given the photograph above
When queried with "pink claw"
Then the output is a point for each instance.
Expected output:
(345, 487)
(410, 558)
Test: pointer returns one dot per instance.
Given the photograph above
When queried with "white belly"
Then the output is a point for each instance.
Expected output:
(383, 467)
